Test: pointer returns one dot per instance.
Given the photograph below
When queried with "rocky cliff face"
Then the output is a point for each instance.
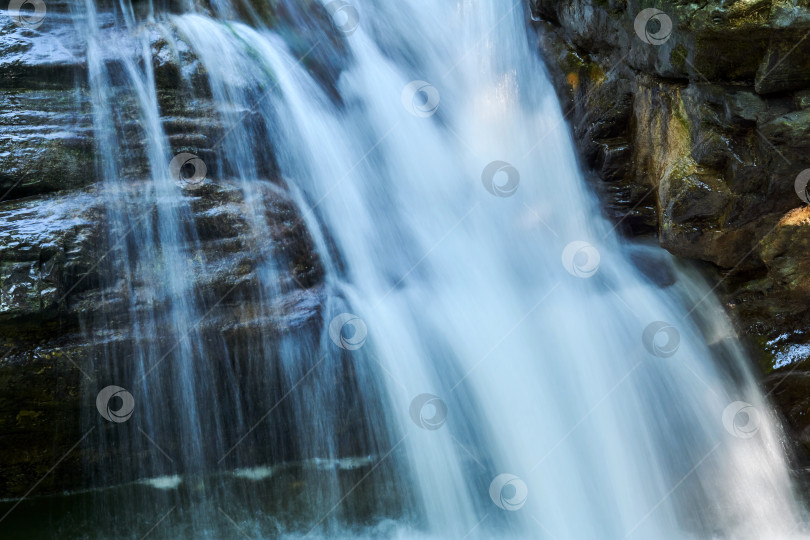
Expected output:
(693, 118)
(56, 244)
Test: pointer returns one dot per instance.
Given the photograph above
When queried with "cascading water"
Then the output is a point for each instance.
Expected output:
(506, 386)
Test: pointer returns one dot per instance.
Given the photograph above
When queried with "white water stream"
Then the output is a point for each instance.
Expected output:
(498, 290)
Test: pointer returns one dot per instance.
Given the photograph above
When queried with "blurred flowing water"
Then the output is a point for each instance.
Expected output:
(497, 320)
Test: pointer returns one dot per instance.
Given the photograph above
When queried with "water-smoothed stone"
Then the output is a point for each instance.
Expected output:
(57, 272)
(58, 275)
(46, 139)
(47, 142)
(45, 245)
(49, 56)
(63, 234)
(53, 248)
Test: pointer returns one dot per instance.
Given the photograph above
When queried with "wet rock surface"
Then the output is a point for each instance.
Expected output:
(58, 243)
(693, 118)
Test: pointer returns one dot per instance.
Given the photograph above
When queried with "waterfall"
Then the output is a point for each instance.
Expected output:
(489, 358)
